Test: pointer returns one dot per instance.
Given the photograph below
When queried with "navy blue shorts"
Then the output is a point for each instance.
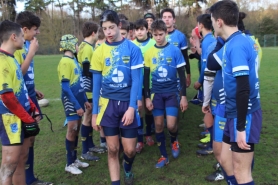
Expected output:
(165, 101)
(126, 133)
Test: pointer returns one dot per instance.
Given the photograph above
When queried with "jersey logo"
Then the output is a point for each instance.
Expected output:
(154, 61)
(75, 71)
(118, 76)
(14, 127)
(169, 59)
(175, 43)
(162, 72)
(107, 62)
(125, 59)
(23, 56)
(31, 72)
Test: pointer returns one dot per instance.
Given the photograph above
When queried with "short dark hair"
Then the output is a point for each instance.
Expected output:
(89, 27)
(122, 16)
(109, 15)
(140, 23)
(227, 10)
(240, 23)
(158, 25)
(131, 26)
(101, 35)
(7, 28)
(168, 10)
(205, 19)
(125, 25)
(149, 15)
(28, 19)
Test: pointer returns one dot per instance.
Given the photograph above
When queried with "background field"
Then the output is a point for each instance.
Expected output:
(188, 169)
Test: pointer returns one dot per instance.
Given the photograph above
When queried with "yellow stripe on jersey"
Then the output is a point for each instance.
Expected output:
(103, 102)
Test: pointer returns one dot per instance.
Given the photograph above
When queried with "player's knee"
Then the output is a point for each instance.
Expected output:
(130, 152)
(113, 151)
(159, 128)
(8, 169)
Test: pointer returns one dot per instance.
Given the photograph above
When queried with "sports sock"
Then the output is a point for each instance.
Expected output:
(30, 177)
(75, 148)
(84, 137)
(160, 138)
(70, 152)
(173, 136)
(118, 182)
(231, 180)
(90, 138)
(249, 183)
(102, 139)
(224, 172)
(128, 163)
(210, 129)
(149, 121)
(140, 131)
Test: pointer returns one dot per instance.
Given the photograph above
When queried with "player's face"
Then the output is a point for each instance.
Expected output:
(141, 33)
(168, 19)
(111, 31)
(29, 34)
(149, 21)
(131, 34)
(19, 40)
(216, 26)
(124, 33)
(159, 37)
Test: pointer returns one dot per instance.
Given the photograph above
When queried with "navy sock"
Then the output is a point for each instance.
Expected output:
(231, 180)
(70, 152)
(75, 148)
(173, 136)
(249, 183)
(160, 138)
(102, 139)
(116, 182)
(128, 163)
(90, 138)
(140, 131)
(149, 121)
(210, 129)
(224, 172)
(29, 170)
(84, 137)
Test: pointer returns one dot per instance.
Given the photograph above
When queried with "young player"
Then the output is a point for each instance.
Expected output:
(131, 35)
(101, 38)
(84, 55)
(162, 62)
(149, 17)
(176, 38)
(30, 24)
(73, 98)
(144, 42)
(16, 122)
(125, 29)
(239, 61)
(116, 71)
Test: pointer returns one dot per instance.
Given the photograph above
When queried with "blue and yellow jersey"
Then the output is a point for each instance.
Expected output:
(178, 39)
(69, 70)
(115, 62)
(20, 56)
(163, 63)
(11, 80)
(85, 54)
(239, 57)
(144, 45)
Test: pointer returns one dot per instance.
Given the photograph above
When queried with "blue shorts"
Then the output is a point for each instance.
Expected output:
(35, 101)
(219, 122)
(111, 113)
(11, 131)
(253, 127)
(165, 101)
(126, 133)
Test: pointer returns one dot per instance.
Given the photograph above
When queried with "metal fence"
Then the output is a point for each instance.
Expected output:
(270, 40)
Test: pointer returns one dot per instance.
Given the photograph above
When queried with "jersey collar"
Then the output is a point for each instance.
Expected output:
(161, 47)
(87, 43)
(6, 53)
(114, 43)
(141, 41)
(171, 32)
(233, 35)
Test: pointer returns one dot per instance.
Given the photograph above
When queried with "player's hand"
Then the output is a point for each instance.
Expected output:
(31, 129)
(183, 104)
(37, 117)
(94, 123)
(241, 141)
(149, 104)
(128, 116)
(197, 85)
(39, 95)
(34, 46)
(139, 105)
(206, 109)
(188, 80)
(80, 112)
(88, 106)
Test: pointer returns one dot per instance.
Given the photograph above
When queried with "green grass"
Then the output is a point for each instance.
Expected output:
(188, 169)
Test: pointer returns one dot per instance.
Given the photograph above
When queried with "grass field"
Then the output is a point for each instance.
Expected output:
(188, 169)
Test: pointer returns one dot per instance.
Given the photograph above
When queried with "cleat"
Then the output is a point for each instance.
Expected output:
(206, 151)
(128, 178)
(216, 166)
(205, 139)
(40, 182)
(175, 149)
(162, 161)
(205, 133)
(202, 125)
(79, 164)
(202, 145)
(139, 147)
(97, 149)
(103, 146)
(215, 176)
(89, 156)
(73, 169)
(149, 140)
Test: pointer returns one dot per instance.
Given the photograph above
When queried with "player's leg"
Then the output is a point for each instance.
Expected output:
(102, 140)
(149, 121)
(140, 136)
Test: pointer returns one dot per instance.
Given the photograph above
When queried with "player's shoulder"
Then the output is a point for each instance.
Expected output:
(5, 59)
(240, 41)
(67, 60)
(179, 33)
(150, 51)
(172, 47)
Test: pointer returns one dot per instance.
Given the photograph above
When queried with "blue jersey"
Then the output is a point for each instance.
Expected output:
(239, 57)
(115, 62)
(218, 88)
(163, 63)
(20, 56)
(178, 39)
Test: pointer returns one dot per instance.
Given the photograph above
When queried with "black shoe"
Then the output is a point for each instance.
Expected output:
(215, 176)
(216, 166)
(206, 151)
(203, 145)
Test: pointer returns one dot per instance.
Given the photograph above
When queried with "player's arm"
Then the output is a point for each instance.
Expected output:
(214, 62)
(181, 72)
(66, 89)
(97, 78)
(186, 58)
(139, 95)
(207, 87)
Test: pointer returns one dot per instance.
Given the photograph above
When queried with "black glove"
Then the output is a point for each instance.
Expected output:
(31, 129)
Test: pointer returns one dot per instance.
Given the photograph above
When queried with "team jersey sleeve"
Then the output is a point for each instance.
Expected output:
(179, 58)
(137, 60)
(218, 56)
(87, 53)
(97, 62)
(5, 78)
(65, 69)
(18, 55)
(183, 42)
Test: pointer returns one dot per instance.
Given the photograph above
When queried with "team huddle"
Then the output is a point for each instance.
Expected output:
(116, 77)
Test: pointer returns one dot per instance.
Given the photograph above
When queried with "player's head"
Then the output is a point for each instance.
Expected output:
(69, 42)
(168, 16)
(11, 32)
(240, 23)
(141, 29)
(90, 29)
(131, 31)
(100, 35)
(159, 30)
(204, 22)
(149, 17)
(110, 23)
(30, 24)
(224, 13)
(124, 28)
(122, 16)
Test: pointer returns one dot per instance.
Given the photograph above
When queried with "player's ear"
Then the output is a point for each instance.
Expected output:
(13, 36)
(25, 29)
(120, 25)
